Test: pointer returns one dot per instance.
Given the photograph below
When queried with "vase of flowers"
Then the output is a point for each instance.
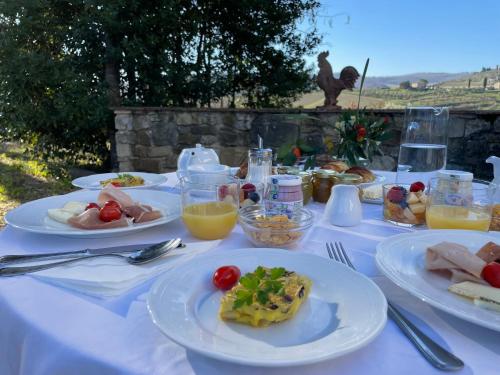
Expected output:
(360, 136)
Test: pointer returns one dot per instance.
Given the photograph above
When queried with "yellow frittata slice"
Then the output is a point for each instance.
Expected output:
(265, 296)
(124, 180)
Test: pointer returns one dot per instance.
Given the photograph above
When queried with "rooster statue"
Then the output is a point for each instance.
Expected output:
(331, 85)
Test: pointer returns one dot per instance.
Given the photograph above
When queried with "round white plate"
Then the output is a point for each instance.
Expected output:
(402, 259)
(93, 181)
(344, 311)
(32, 216)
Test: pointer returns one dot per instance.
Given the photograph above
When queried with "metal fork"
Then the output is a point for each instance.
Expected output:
(433, 352)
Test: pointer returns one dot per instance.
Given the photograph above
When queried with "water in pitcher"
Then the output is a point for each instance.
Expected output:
(419, 161)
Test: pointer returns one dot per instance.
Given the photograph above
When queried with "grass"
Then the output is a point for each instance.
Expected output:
(24, 178)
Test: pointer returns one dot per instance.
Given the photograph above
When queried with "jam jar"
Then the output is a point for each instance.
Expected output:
(323, 180)
(307, 186)
(284, 194)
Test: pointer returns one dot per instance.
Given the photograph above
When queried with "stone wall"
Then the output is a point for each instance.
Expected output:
(150, 139)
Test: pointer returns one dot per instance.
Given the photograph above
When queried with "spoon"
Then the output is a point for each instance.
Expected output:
(137, 257)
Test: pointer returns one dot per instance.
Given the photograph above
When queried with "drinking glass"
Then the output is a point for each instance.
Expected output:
(210, 204)
(423, 144)
(459, 204)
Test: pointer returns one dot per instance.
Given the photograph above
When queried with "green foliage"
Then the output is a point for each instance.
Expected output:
(353, 146)
(63, 64)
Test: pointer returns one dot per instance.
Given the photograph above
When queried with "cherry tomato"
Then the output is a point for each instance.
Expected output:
(226, 277)
(110, 214)
(113, 204)
(92, 205)
(116, 184)
(491, 273)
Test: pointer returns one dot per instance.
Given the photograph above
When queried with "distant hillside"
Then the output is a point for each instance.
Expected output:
(476, 79)
(394, 81)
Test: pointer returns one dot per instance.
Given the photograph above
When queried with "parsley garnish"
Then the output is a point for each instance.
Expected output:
(258, 285)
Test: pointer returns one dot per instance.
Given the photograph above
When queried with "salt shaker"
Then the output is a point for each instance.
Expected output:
(344, 207)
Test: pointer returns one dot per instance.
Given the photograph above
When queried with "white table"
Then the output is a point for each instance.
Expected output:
(49, 330)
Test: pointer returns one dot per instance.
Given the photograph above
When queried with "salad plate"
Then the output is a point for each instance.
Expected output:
(343, 312)
(93, 182)
(402, 259)
(32, 216)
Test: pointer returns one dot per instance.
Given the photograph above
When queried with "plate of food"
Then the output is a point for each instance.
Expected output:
(107, 213)
(368, 177)
(453, 270)
(124, 180)
(267, 307)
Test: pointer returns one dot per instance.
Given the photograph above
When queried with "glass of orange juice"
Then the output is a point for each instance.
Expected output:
(210, 204)
(459, 204)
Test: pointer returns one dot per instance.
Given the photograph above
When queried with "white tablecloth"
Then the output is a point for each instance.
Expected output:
(47, 330)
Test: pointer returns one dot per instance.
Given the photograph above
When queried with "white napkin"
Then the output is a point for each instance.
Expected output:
(111, 276)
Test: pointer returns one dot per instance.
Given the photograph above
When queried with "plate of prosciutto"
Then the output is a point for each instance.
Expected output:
(94, 214)
(457, 271)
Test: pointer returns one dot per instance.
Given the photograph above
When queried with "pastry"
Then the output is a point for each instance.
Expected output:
(336, 165)
(366, 174)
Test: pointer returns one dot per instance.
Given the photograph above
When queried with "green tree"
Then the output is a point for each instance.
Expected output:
(64, 64)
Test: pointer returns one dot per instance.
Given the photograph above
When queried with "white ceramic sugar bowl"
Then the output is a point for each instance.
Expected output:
(344, 207)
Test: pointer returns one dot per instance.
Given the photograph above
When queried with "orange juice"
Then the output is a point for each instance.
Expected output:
(210, 220)
(454, 217)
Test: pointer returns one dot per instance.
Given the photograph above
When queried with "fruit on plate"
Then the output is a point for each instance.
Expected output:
(226, 277)
(405, 204)
(491, 273)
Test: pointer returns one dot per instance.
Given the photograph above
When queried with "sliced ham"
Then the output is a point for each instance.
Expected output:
(489, 252)
(457, 276)
(449, 255)
(142, 213)
(112, 193)
(90, 220)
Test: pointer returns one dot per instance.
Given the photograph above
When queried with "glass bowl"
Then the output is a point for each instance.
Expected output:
(274, 230)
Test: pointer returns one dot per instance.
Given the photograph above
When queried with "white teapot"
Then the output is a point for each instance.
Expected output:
(344, 207)
(198, 155)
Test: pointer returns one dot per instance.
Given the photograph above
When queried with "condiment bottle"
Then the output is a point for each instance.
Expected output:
(260, 161)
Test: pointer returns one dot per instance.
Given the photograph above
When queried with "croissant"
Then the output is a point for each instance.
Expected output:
(366, 174)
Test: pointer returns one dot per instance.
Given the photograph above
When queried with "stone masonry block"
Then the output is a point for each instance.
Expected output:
(144, 137)
(125, 137)
(476, 126)
(123, 150)
(164, 134)
(496, 125)
(185, 118)
(123, 121)
(141, 121)
(456, 127)
(125, 166)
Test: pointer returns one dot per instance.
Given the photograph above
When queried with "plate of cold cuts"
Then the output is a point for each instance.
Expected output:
(94, 214)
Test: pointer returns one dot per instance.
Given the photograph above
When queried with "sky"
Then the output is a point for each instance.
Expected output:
(408, 36)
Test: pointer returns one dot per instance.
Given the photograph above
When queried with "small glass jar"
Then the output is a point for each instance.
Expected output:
(322, 181)
(284, 194)
(307, 186)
